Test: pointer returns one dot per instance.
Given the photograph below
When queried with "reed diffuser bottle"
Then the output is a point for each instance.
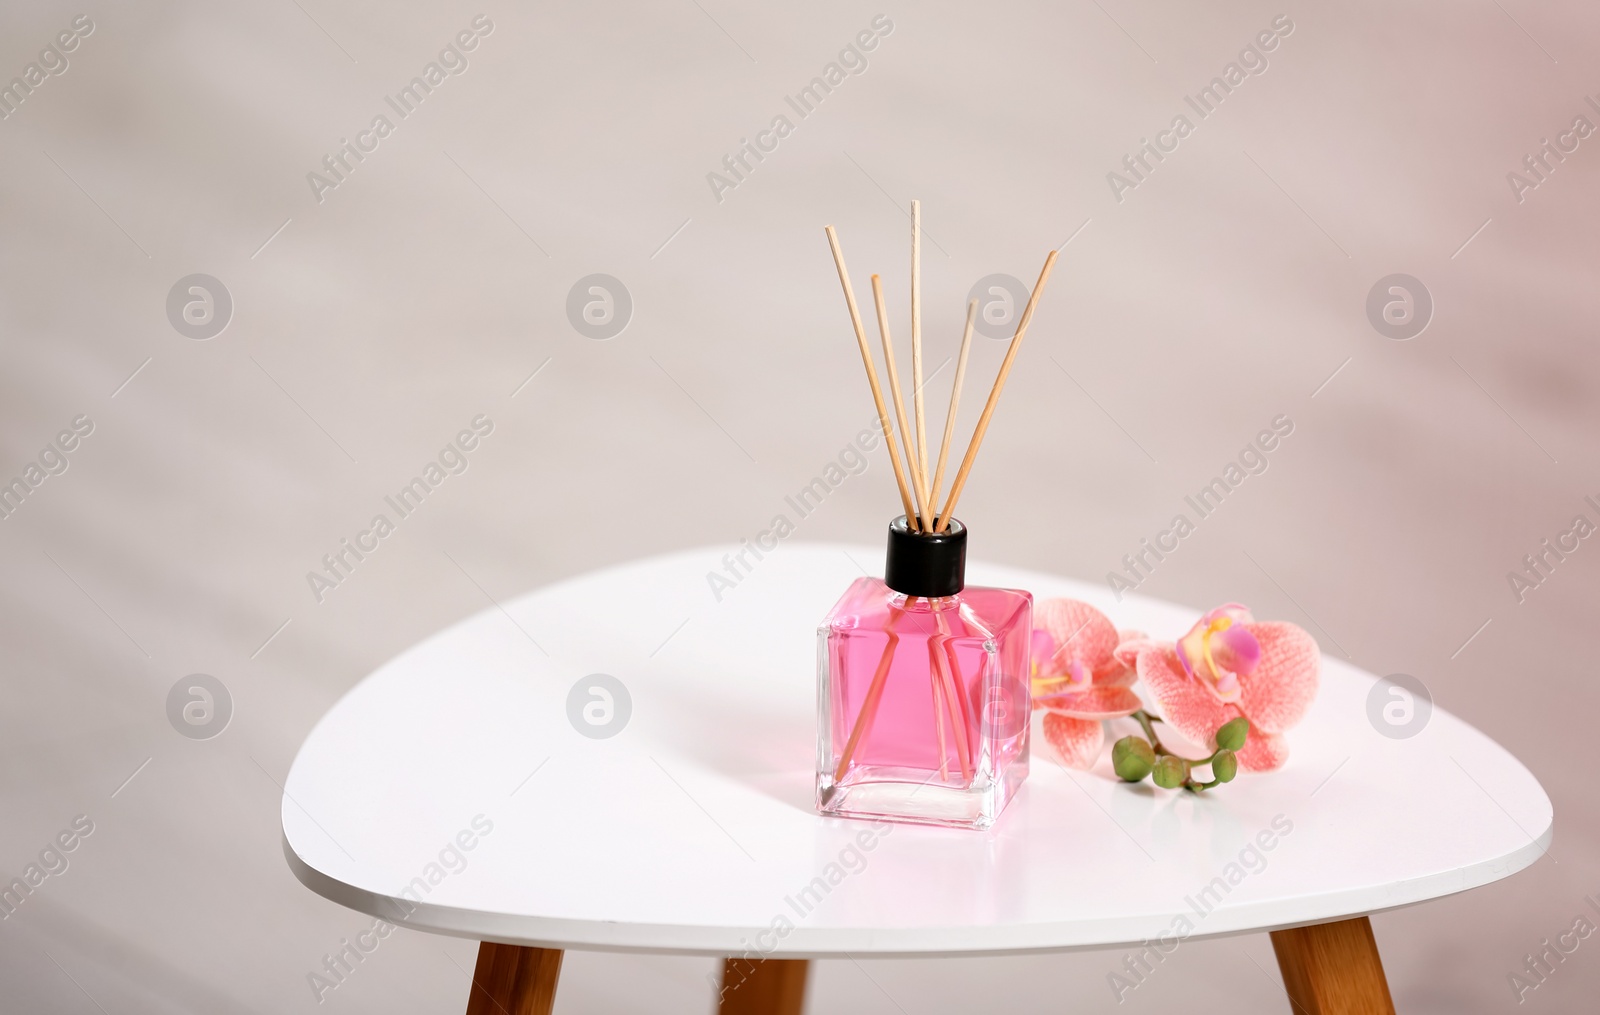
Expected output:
(922, 689)
(923, 701)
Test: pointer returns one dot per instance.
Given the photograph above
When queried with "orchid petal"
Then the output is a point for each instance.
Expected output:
(1238, 613)
(1236, 649)
(1115, 673)
(1191, 648)
(1186, 703)
(1096, 703)
(1080, 633)
(1278, 692)
(1076, 741)
(1043, 647)
(1127, 651)
(1263, 752)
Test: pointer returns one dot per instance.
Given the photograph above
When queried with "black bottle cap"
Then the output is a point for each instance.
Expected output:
(926, 565)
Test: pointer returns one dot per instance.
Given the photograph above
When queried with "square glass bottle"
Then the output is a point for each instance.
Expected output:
(923, 702)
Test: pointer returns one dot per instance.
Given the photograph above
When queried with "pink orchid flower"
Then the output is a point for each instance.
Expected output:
(1077, 678)
(1229, 665)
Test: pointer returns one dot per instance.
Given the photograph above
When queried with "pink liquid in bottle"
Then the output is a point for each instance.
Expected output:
(923, 702)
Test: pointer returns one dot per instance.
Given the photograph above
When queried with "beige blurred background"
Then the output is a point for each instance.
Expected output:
(1227, 288)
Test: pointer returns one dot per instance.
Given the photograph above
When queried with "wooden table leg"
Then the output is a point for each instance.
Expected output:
(514, 980)
(1333, 969)
(763, 987)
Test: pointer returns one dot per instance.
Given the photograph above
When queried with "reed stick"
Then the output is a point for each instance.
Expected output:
(916, 345)
(955, 402)
(869, 704)
(922, 522)
(953, 695)
(994, 394)
(937, 689)
(872, 371)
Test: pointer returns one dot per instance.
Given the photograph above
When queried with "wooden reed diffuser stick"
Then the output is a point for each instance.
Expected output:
(916, 348)
(994, 394)
(923, 519)
(955, 401)
(951, 676)
(872, 371)
(869, 704)
(939, 712)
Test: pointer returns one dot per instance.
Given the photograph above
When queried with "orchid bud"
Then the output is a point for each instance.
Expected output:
(1170, 771)
(1233, 733)
(1132, 757)
(1224, 766)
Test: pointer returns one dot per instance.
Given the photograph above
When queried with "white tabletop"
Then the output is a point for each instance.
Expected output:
(692, 829)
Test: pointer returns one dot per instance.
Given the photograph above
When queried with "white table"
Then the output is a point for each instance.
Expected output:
(692, 829)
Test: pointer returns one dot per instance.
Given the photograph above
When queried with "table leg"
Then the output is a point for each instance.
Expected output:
(763, 987)
(514, 980)
(1333, 969)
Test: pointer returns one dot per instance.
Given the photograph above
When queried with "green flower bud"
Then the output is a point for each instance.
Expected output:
(1232, 735)
(1224, 766)
(1170, 771)
(1132, 757)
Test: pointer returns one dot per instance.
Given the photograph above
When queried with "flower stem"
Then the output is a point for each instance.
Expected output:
(1145, 719)
(1146, 722)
